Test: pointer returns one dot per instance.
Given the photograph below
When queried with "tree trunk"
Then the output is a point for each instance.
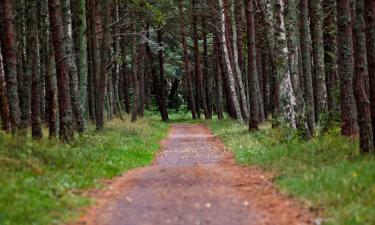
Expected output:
(360, 80)
(161, 80)
(65, 110)
(370, 37)
(252, 68)
(33, 67)
(230, 74)
(4, 104)
(9, 49)
(82, 59)
(305, 41)
(319, 66)
(186, 60)
(345, 68)
(51, 90)
(198, 66)
(218, 79)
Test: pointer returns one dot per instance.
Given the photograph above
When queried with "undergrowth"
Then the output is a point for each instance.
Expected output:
(327, 172)
(41, 182)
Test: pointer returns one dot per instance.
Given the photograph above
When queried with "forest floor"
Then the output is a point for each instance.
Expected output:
(193, 180)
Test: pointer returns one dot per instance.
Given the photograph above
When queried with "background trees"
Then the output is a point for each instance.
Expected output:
(245, 58)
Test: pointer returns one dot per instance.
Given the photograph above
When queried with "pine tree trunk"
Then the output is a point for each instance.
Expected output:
(360, 80)
(82, 59)
(51, 90)
(186, 60)
(72, 66)
(198, 66)
(218, 79)
(305, 42)
(370, 37)
(230, 74)
(4, 104)
(65, 110)
(161, 80)
(345, 68)
(33, 67)
(252, 68)
(125, 77)
(319, 66)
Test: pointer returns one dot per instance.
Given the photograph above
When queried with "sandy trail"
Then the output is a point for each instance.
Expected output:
(193, 181)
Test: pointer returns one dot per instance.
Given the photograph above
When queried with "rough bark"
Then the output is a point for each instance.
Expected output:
(8, 41)
(345, 68)
(4, 104)
(197, 63)
(370, 37)
(186, 60)
(65, 110)
(228, 65)
(161, 79)
(252, 68)
(360, 81)
(305, 42)
(318, 56)
(82, 59)
(33, 67)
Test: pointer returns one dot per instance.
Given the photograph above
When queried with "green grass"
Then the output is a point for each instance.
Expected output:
(43, 182)
(327, 172)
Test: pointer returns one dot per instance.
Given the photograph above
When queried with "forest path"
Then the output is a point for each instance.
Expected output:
(193, 181)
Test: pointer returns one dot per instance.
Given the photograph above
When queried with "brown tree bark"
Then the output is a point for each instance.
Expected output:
(8, 41)
(370, 37)
(197, 63)
(101, 83)
(360, 81)
(252, 69)
(33, 68)
(4, 105)
(161, 79)
(65, 110)
(186, 60)
(345, 68)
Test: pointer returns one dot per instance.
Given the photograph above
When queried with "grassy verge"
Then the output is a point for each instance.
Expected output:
(42, 182)
(326, 172)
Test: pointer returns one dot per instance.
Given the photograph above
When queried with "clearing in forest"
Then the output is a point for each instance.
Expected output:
(194, 181)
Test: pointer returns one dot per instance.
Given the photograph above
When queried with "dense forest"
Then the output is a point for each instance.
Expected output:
(307, 64)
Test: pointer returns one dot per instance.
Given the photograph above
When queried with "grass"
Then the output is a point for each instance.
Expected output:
(327, 172)
(42, 182)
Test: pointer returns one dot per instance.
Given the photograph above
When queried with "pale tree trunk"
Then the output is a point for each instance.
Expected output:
(82, 59)
(238, 71)
(72, 66)
(287, 97)
(230, 74)
(291, 21)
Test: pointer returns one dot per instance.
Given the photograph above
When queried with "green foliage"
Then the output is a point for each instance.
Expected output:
(42, 182)
(327, 172)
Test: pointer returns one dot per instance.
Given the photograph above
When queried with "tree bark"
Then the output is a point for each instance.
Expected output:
(360, 81)
(370, 37)
(186, 60)
(305, 41)
(4, 104)
(65, 110)
(345, 68)
(33, 67)
(9, 49)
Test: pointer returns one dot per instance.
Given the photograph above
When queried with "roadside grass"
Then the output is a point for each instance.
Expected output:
(327, 172)
(41, 182)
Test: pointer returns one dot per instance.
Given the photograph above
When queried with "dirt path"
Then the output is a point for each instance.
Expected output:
(193, 182)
